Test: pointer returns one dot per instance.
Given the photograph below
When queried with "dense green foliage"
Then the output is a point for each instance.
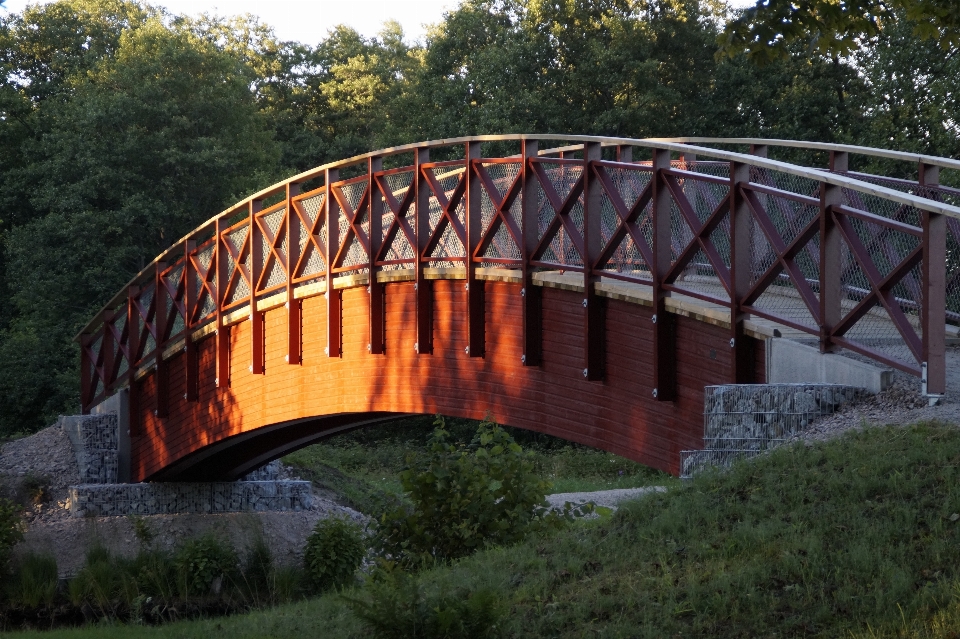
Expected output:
(11, 529)
(393, 606)
(334, 551)
(857, 537)
(463, 498)
(121, 128)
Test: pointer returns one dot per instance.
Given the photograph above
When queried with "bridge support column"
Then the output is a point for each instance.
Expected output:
(424, 293)
(741, 357)
(375, 290)
(160, 295)
(934, 311)
(664, 323)
(293, 305)
(531, 295)
(331, 213)
(191, 370)
(474, 228)
(256, 317)
(592, 244)
(831, 286)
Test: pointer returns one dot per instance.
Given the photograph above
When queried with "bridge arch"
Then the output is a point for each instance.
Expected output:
(589, 290)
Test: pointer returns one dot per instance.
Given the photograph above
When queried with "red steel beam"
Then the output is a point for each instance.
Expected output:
(664, 323)
(331, 211)
(424, 343)
(592, 246)
(474, 232)
(256, 270)
(191, 370)
(375, 289)
(532, 321)
(294, 306)
(741, 361)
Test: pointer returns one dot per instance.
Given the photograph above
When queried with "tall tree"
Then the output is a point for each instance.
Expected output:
(140, 147)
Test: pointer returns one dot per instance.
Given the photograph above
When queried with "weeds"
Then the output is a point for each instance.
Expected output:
(35, 581)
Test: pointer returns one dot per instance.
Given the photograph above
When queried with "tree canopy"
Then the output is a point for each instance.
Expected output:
(123, 127)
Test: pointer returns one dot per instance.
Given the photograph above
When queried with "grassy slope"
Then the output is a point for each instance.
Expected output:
(852, 538)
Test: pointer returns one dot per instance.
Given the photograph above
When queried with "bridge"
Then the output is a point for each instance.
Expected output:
(585, 287)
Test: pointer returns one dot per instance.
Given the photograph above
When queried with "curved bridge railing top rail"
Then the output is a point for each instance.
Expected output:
(846, 262)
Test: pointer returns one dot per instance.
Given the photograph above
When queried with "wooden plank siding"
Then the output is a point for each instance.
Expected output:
(618, 414)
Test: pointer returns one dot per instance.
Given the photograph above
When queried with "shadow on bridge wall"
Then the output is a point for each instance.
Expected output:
(256, 418)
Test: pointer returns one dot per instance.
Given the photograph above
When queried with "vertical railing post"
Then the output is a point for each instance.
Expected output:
(191, 370)
(592, 245)
(160, 319)
(108, 348)
(87, 374)
(741, 356)
(624, 153)
(933, 315)
(839, 161)
(759, 150)
(293, 305)
(424, 343)
(831, 248)
(256, 269)
(474, 224)
(374, 288)
(331, 212)
(664, 323)
(222, 335)
(133, 349)
(530, 294)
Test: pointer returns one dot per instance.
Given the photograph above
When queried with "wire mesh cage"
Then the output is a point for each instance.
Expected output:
(742, 420)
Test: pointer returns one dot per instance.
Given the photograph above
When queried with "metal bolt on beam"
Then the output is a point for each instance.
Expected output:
(654, 318)
(584, 303)
(733, 342)
(523, 292)
(655, 392)
(369, 348)
(523, 359)
(467, 350)
(585, 372)
(416, 347)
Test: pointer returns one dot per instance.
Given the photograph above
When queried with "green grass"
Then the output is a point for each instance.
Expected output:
(858, 537)
(363, 467)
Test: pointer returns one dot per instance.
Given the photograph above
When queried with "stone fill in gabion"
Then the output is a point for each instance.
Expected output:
(101, 500)
(94, 440)
(742, 420)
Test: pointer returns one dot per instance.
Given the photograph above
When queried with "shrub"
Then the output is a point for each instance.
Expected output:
(258, 568)
(464, 498)
(394, 607)
(204, 564)
(334, 551)
(35, 581)
(98, 582)
(11, 529)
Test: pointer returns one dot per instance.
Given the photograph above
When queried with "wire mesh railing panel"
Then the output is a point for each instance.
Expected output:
(448, 250)
(206, 306)
(399, 252)
(312, 260)
(780, 223)
(353, 256)
(881, 286)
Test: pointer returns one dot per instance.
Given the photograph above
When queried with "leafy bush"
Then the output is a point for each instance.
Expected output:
(98, 582)
(11, 529)
(203, 564)
(334, 551)
(395, 608)
(464, 498)
(35, 581)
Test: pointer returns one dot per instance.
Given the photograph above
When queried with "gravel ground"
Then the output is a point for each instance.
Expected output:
(606, 498)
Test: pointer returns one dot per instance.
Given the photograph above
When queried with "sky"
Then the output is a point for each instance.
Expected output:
(308, 21)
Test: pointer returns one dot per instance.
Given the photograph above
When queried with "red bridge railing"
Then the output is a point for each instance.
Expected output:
(852, 261)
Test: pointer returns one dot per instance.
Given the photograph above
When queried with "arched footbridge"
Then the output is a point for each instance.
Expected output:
(584, 287)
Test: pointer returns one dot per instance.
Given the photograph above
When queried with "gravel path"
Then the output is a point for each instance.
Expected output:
(606, 498)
